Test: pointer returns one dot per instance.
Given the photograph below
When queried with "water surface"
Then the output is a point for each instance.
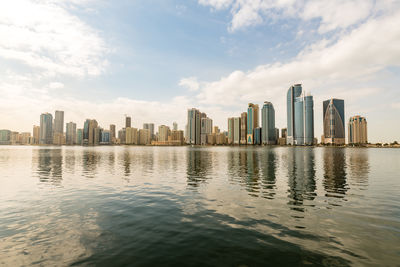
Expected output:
(174, 206)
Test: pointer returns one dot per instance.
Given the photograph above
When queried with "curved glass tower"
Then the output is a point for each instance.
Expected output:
(333, 116)
(300, 117)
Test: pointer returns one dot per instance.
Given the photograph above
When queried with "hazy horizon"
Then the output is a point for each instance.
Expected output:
(155, 59)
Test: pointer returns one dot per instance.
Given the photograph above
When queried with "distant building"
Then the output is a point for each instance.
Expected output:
(46, 129)
(175, 126)
(193, 127)
(150, 127)
(5, 137)
(252, 122)
(284, 132)
(144, 137)
(70, 133)
(243, 128)
(163, 133)
(205, 129)
(128, 122)
(358, 133)
(79, 137)
(93, 135)
(112, 133)
(177, 136)
(236, 130)
(122, 135)
(333, 120)
(230, 131)
(59, 122)
(268, 124)
(300, 117)
(35, 134)
(131, 136)
(105, 137)
(97, 136)
(216, 129)
(257, 136)
(86, 132)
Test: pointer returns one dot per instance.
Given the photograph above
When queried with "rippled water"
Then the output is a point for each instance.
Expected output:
(174, 206)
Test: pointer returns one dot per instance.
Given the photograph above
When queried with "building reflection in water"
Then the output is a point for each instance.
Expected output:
(255, 169)
(127, 162)
(334, 182)
(69, 160)
(199, 164)
(90, 160)
(301, 177)
(358, 163)
(49, 165)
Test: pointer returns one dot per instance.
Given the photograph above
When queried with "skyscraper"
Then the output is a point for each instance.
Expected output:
(205, 129)
(150, 127)
(358, 133)
(131, 136)
(268, 133)
(70, 133)
(112, 133)
(231, 133)
(36, 134)
(333, 118)
(236, 130)
(93, 139)
(85, 139)
(175, 126)
(300, 116)
(252, 121)
(193, 127)
(59, 122)
(105, 137)
(128, 122)
(46, 129)
(79, 137)
(163, 133)
(243, 128)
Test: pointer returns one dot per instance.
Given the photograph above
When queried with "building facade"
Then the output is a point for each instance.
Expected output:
(236, 130)
(46, 129)
(333, 122)
(70, 133)
(243, 128)
(144, 137)
(35, 135)
(230, 131)
(163, 133)
(205, 129)
(300, 117)
(193, 127)
(150, 127)
(358, 132)
(252, 121)
(79, 137)
(5, 137)
(268, 124)
(128, 122)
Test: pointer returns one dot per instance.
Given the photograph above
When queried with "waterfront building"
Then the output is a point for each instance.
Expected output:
(128, 122)
(36, 134)
(92, 138)
(122, 135)
(150, 127)
(258, 136)
(144, 137)
(97, 136)
(70, 133)
(252, 121)
(177, 136)
(236, 130)
(163, 133)
(193, 127)
(131, 136)
(230, 131)
(112, 133)
(105, 137)
(220, 139)
(86, 132)
(211, 139)
(24, 138)
(175, 126)
(216, 129)
(300, 116)
(79, 137)
(243, 128)
(205, 128)
(46, 129)
(284, 132)
(268, 124)
(5, 137)
(358, 133)
(59, 122)
(333, 121)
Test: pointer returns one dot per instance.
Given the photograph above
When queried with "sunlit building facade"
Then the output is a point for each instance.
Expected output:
(358, 132)
(268, 124)
(252, 121)
(333, 121)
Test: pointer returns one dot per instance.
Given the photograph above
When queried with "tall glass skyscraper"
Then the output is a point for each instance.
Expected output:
(46, 129)
(300, 117)
(333, 117)
(268, 124)
(193, 127)
(252, 122)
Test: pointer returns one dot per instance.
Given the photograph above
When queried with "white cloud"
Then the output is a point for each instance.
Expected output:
(190, 83)
(217, 4)
(45, 36)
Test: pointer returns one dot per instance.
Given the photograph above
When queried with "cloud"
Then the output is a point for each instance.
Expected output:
(45, 36)
(190, 83)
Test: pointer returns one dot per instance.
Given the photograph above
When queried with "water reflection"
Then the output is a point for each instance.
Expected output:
(90, 160)
(49, 165)
(335, 172)
(359, 167)
(127, 163)
(199, 163)
(301, 177)
(269, 167)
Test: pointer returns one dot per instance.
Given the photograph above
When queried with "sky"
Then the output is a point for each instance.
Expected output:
(154, 59)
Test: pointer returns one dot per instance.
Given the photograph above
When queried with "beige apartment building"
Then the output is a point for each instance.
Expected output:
(358, 133)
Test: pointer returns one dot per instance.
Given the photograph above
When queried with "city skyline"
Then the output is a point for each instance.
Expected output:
(154, 68)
